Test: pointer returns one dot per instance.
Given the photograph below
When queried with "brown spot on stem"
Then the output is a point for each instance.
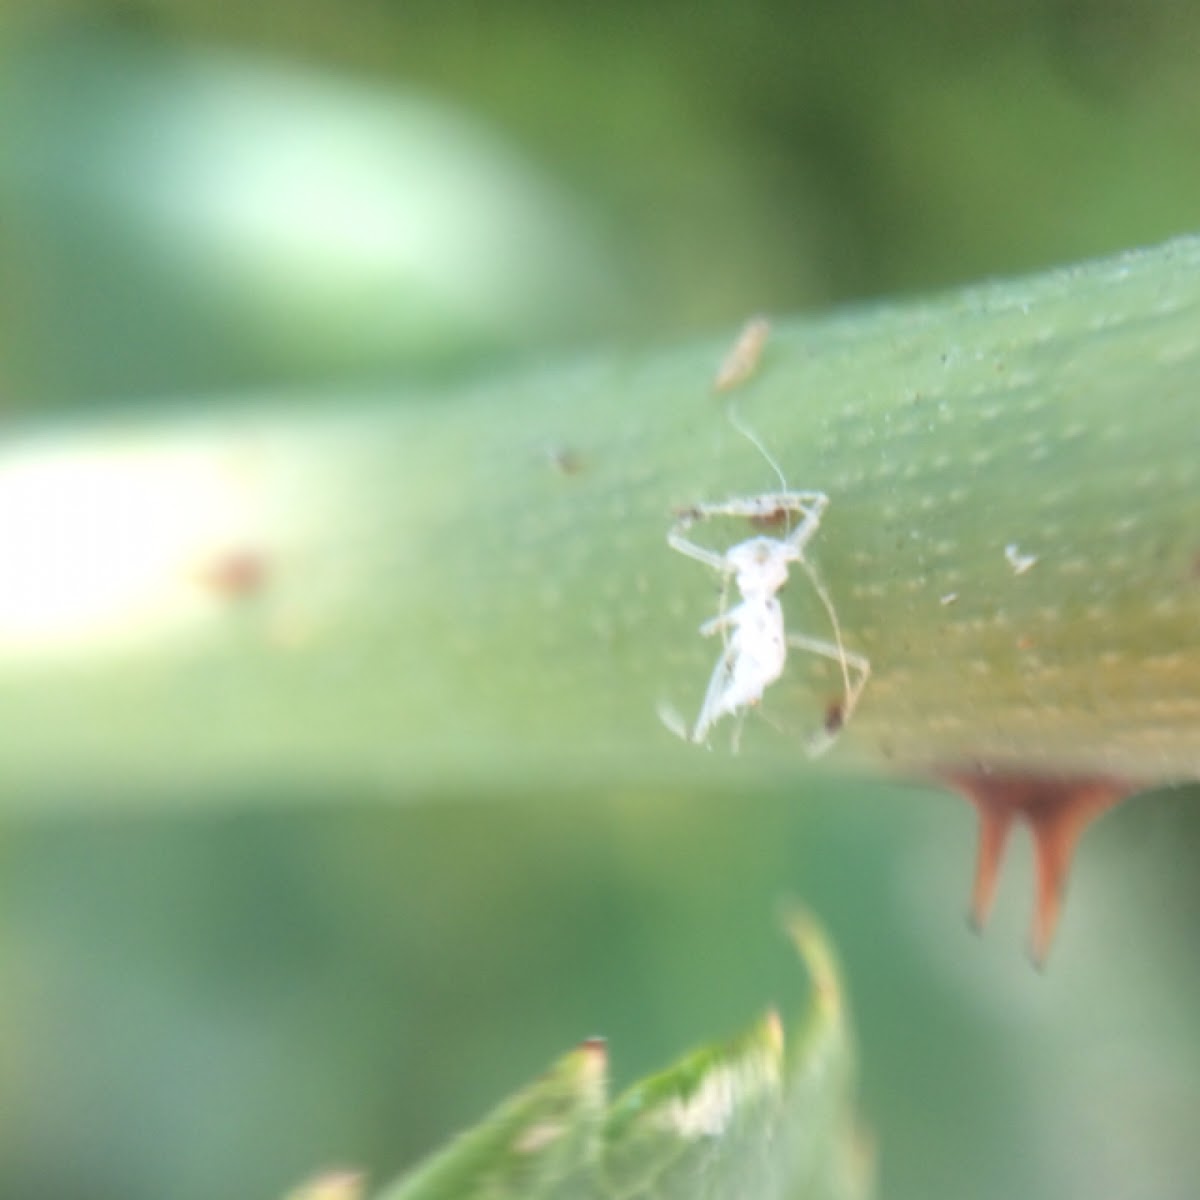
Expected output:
(564, 460)
(236, 574)
(1057, 809)
(835, 716)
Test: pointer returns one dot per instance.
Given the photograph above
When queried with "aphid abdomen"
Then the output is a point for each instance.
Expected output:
(759, 650)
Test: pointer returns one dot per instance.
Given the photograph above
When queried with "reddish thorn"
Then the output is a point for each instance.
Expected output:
(994, 825)
(1057, 809)
(1057, 824)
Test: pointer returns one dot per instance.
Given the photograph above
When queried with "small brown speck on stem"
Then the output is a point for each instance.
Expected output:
(564, 460)
(235, 574)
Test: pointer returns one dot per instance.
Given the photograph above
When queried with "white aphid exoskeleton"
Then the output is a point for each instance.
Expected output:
(756, 640)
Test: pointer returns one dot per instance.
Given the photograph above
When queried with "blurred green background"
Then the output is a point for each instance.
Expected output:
(202, 200)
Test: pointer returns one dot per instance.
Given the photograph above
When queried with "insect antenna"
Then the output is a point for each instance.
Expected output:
(827, 603)
(735, 419)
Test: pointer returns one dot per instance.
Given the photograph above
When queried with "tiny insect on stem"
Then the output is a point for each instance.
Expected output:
(755, 639)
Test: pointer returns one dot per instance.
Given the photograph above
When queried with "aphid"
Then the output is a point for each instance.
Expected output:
(756, 640)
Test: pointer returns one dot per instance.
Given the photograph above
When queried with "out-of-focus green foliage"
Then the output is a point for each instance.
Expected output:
(752, 1118)
(685, 163)
(540, 1144)
(330, 1185)
(242, 222)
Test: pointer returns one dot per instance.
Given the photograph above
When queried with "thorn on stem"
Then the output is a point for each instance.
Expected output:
(1057, 809)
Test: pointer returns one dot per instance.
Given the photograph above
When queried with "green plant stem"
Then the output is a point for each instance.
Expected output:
(466, 592)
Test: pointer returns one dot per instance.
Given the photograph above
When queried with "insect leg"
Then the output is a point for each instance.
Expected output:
(811, 507)
(722, 621)
(852, 694)
(713, 708)
(849, 661)
(765, 505)
(710, 558)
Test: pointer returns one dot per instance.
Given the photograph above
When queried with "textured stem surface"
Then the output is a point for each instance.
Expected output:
(466, 592)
